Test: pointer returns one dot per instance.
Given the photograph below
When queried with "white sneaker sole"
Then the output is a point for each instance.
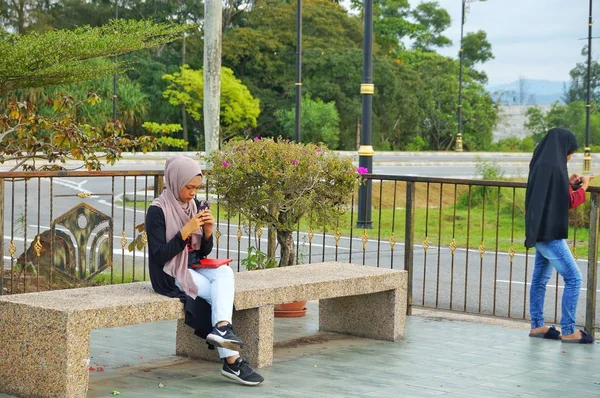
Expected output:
(237, 379)
(218, 341)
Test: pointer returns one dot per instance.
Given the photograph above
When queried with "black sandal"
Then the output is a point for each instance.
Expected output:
(551, 334)
(585, 339)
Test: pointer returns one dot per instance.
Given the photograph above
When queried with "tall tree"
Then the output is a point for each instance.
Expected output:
(238, 109)
(439, 76)
(477, 50)
(61, 56)
(576, 90)
(434, 20)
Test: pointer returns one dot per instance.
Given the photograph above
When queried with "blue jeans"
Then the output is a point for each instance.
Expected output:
(548, 255)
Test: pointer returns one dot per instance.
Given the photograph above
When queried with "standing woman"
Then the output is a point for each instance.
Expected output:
(548, 199)
(180, 234)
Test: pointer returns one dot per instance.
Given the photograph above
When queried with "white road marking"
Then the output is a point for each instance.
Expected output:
(529, 284)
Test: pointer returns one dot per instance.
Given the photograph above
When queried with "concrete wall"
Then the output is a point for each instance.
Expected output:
(511, 121)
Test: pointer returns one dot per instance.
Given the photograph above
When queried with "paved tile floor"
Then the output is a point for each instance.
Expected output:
(443, 355)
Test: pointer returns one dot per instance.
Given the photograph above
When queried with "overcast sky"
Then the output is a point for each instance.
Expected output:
(534, 39)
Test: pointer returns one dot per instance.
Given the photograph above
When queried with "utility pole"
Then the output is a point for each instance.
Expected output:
(461, 54)
(459, 142)
(587, 155)
(114, 102)
(365, 151)
(298, 68)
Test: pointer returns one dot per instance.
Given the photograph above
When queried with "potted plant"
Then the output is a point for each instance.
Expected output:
(276, 183)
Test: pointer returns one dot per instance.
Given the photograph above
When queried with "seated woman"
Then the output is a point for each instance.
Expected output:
(180, 234)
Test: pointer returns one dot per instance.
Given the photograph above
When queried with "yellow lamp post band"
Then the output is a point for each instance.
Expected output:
(366, 150)
(367, 88)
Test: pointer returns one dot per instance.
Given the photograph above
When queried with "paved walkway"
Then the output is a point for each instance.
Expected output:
(443, 355)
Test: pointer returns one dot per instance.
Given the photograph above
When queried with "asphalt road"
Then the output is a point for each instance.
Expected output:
(475, 285)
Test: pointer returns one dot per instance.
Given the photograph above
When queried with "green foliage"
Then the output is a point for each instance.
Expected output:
(395, 21)
(577, 90)
(570, 116)
(62, 56)
(239, 110)
(477, 49)
(513, 144)
(489, 171)
(261, 52)
(257, 260)
(434, 21)
(162, 131)
(319, 122)
(438, 101)
(416, 144)
(28, 136)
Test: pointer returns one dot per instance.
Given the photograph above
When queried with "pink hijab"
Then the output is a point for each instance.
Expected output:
(179, 171)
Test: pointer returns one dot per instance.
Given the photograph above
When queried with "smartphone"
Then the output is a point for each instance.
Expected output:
(204, 204)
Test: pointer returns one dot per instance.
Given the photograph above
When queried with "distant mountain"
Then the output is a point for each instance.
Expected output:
(528, 92)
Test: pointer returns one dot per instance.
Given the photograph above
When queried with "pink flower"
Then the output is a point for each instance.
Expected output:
(256, 138)
(319, 150)
(224, 164)
(362, 170)
(294, 162)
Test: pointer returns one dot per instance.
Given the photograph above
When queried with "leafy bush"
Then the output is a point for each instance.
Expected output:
(486, 171)
(258, 260)
(276, 183)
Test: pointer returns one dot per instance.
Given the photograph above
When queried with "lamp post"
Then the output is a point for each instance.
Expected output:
(298, 68)
(367, 89)
(114, 99)
(587, 156)
(459, 141)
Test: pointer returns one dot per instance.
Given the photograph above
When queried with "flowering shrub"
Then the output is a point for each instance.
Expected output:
(276, 183)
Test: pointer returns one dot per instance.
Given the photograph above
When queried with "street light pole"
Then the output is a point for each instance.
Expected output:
(459, 142)
(298, 68)
(367, 89)
(114, 102)
(587, 155)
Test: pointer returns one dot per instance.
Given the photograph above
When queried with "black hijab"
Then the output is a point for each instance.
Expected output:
(547, 196)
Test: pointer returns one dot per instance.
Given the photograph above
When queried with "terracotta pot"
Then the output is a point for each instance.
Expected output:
(290, 310)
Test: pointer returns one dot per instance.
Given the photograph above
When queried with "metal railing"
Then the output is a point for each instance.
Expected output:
(460, 240)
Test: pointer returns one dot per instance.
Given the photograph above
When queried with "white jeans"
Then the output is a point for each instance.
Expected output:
(217, 287)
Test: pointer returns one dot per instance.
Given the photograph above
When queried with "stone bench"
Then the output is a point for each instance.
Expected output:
(45, 336)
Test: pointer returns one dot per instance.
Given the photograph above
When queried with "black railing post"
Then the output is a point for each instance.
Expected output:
(592, 276)
(409, 239)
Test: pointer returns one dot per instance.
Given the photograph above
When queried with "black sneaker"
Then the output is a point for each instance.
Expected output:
(241, 372)
(223, 337)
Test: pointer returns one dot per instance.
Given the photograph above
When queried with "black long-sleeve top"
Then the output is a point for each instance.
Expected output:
(159, 252)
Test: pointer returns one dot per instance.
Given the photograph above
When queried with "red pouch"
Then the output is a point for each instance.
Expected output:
(211, 263)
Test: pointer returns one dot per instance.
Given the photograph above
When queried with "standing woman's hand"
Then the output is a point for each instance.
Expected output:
(208, 222)
(585, 181)
(574, 180)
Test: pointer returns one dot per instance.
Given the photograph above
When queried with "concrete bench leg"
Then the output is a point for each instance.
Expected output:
(43, 353)
(254, 326)
(378, 316)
